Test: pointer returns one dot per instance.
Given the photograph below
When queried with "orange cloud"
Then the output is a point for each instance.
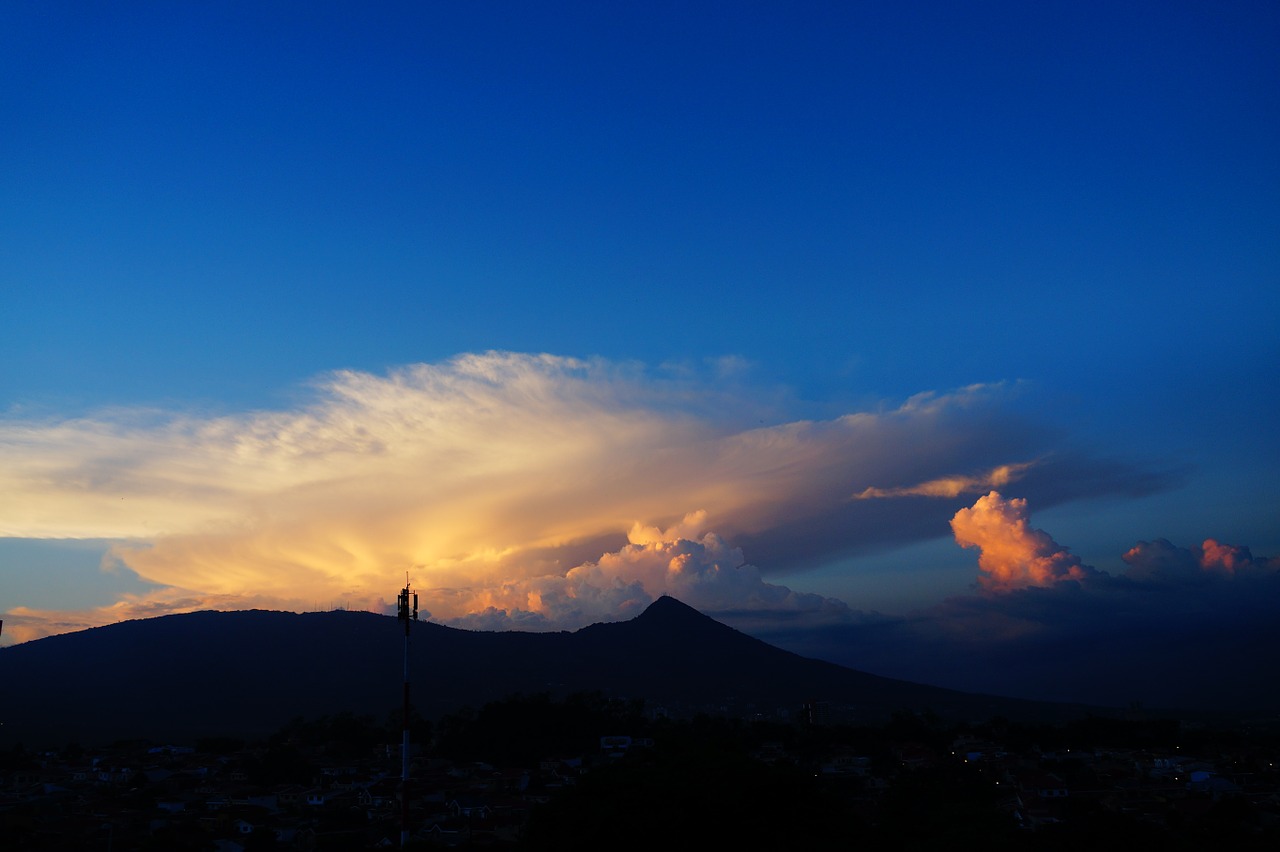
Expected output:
(1013, 554)
(22, 624)
(1160, 561)
(695, 566)
(1223, 557)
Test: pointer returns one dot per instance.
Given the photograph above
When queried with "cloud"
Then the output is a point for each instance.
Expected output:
(22, 624)
(683, 561)
(513, 488)
(1012, 553)
(696, 567)
(1184, 627)
(952, 486)
(1160, 561)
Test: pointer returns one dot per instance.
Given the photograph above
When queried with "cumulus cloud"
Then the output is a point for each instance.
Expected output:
(1183, 627)
(515, 489)
(1015, 556)
(1160, 561)
(1012, 553)
(696, 567)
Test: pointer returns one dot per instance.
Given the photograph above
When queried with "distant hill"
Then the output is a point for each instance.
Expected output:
(247, 673)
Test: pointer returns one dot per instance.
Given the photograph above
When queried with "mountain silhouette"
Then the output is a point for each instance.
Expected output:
(247, 673)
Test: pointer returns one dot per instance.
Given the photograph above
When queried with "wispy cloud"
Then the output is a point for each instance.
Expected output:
(952, 486)
(22, 624)
(514, 488)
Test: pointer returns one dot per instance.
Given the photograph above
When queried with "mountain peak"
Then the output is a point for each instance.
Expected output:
(668, 619)
(668, 610)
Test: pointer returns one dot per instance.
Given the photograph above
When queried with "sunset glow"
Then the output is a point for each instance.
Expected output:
(486, 477)
(796, 312)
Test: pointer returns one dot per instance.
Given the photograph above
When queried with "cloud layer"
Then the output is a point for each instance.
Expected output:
(537, 492)
(514, 489)
(1185, 627)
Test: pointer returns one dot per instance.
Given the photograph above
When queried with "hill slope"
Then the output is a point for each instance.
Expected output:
(247, 673)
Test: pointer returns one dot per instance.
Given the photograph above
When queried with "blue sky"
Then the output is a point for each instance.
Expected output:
(731, 227)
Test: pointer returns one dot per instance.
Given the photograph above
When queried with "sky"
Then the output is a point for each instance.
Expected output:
(919, 337)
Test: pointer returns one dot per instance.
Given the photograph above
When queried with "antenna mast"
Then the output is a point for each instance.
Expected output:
(408, 616)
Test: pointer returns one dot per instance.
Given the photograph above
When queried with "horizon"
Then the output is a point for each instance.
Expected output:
(779, 684)
(1135, 693)
(933, 342)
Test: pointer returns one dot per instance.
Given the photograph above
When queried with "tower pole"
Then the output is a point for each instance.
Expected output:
(408, 616)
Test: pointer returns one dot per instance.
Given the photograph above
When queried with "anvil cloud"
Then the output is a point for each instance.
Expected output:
(513, 489)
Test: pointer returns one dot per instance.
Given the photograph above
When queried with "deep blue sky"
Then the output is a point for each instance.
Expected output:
(206, 209)
(219, 203)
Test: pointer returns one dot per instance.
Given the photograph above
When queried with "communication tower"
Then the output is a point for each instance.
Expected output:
(408, 614)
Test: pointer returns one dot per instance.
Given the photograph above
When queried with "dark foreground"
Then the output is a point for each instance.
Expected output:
(535, 773)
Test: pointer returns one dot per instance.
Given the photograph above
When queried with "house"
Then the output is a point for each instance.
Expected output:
(1043, 785)
(466, 806)
(916, 755)
(291, 795)
(439, 835)
(844, 762)
(114, 775)
(383, 793)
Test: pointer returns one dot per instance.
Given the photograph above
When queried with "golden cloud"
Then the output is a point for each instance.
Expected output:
(952, 486)
(504, 483)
